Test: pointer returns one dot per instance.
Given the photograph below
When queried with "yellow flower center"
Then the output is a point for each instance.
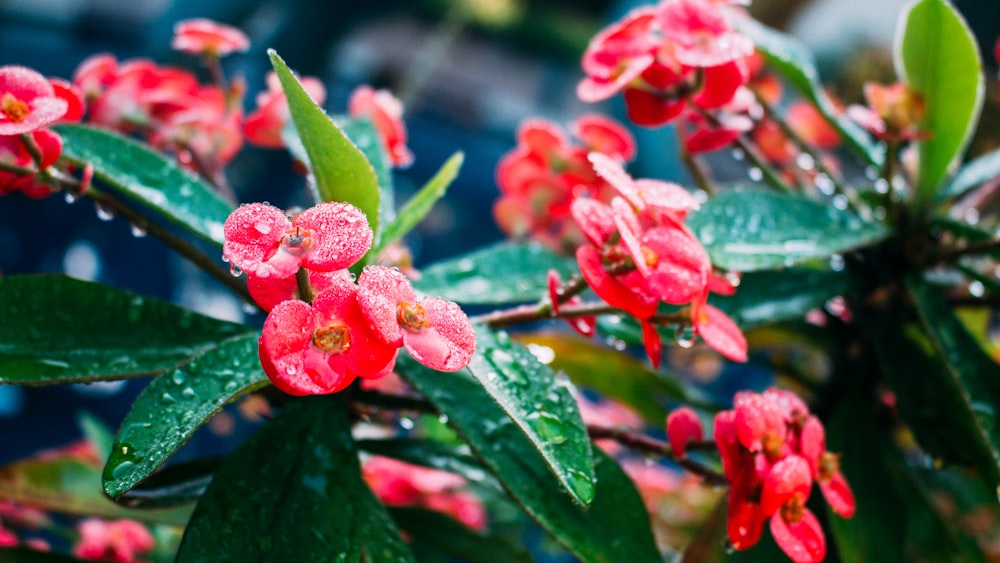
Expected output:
(15, 110)
(412, 317)
(333, 339)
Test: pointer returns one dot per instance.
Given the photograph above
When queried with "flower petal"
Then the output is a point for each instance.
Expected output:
(341, 235)
(253, 233)
(803, 541)
(449, 342)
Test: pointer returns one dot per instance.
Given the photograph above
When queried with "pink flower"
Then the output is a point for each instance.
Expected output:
(433, 330)
(321, 348)
(203, 36)
(264, 125)
(386, 113)
(263, 242)
(27, 101)
(121, 541)
(700, 35)
(13, 151)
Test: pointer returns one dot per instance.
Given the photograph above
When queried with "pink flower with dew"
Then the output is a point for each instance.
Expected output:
(264, 125)
(605, 136)
(397, 483)
(825, 468)
(321, 348)
(94, 74)
(121, 541)
(798, 533)
(700, 34)
(203, 36)
(268, 292)
(683, 426)
(433, 330)
(13, 151)
(386, 113)
(74, 99)
(262, 241)
(618, 55)
(718, 331)
(27, 101)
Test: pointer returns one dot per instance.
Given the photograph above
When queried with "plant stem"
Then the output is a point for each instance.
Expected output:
(534, 313)
(642, 443)
(694, 164)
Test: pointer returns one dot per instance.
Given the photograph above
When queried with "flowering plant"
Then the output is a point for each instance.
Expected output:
(400, 426)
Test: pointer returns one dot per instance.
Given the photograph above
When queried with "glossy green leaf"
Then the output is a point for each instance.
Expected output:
(56, 329)
(361, 131)
(294, 492)
(634, 384)
(497, 274)
(864, 440)
(614, 528)
(947, 387)
(746, 229)
(100, 437)
(971, 175)
(178, 483)
(936, 55)
(454, 538)
(773, 296)
(430, 453)
(341, 171)
(69, 484)
(792, 60)
(146, 176)
(540, 405)
(177, 403)
(414, 211)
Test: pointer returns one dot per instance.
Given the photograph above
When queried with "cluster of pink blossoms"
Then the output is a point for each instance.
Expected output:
(315, 345)
(678, 59)
(121, 541)
(540, 177)
(641, 253)
(28, 103)
(772, 451)
(397, 483)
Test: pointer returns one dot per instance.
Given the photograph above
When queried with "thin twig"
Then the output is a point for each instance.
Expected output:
(642, 443)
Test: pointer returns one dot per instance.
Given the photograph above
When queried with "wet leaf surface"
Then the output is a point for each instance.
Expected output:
(453, 538)
(773, 296)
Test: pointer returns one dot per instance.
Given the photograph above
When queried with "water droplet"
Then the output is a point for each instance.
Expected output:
(178, 377)
(70, 197)
(549, 426)
(406, 423)
(733, 278)
(840, 201)
(882, 186)
(230, 387)
(104, 213)
(122, 470)
(443, 419)
(836, 263)
(805, 161)
(824, 184)
(167, 399)
(738, 154)
(138, 231)
(871, 172)
(262, 227)
(755, 173)
(976, 288)
(188, 393)
(971, 216)
(248, 308)
(617, 343)
(235, 270)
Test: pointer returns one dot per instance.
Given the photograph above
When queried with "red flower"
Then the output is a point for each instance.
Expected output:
(700, 35)
(203, 36)
(718, 331)
(13, 151)
(27, 101)
(386, 113)
(263, 242)
(321, 348)
(434, 331)
(264, 125)
(618, 55)
(798, 533)
(683, 426)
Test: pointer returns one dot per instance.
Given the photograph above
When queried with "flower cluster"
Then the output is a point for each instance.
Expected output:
(121, 541)
(772, 451)
(893, 112)
(28, 103)
(640, 253)
(676, 60)
(324, 330)
(541, 176)
(402, 484)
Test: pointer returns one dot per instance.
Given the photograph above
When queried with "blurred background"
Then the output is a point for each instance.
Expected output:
(468, 71)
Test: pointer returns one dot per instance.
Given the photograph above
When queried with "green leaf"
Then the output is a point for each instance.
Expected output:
(341, 171)
(421, 203)
(936, 55)
(146, 176)
(540, 405)
(498, 274)
(66, 483)
(947, 387)
(746, 229)
(454, 538)
(614, 528)
(431, 453)
(773, 296)
(178, 483)
(864, 440)
(293, 491)
(96, 433)
(634, 384)
(68, 330)
(792, 60)
(177, 403)
(970, 175)
(27, 555)
(361, 132)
